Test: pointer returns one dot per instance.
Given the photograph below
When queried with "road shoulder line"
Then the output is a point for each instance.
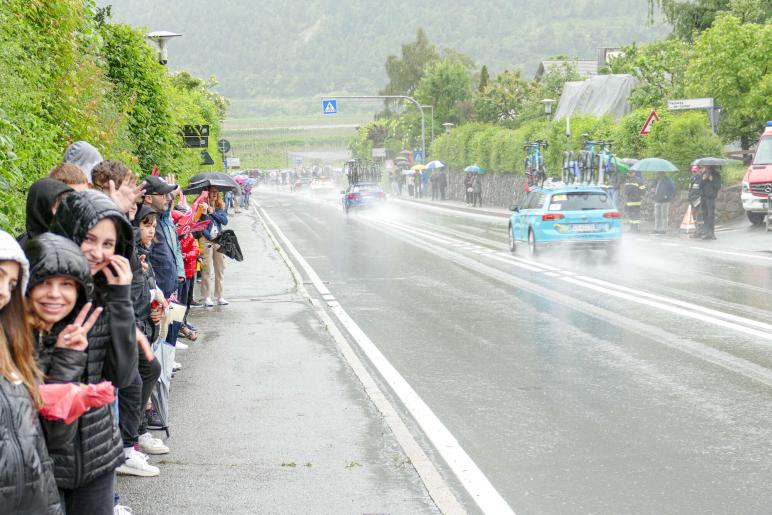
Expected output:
(438, 488)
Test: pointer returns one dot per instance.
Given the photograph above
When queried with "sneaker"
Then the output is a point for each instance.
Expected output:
(194, 305)
(151, 445)
(136, 465)
(176, 366)
(208, 302)
(222, 302)
(122, 510)
(180, 346)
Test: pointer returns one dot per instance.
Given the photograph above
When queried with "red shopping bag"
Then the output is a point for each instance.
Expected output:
(68, 401)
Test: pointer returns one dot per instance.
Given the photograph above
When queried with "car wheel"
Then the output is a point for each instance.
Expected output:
(532, 242)
(755, 218)
(512, 242)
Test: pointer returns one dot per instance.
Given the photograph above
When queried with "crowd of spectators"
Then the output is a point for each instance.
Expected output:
(97, 289)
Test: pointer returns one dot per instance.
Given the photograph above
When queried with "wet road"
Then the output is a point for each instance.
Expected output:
(575, 384)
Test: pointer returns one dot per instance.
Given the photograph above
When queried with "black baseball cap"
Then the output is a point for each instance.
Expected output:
(157, 186)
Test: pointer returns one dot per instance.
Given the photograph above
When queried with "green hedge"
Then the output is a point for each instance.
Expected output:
(678, 137)
(66, 75)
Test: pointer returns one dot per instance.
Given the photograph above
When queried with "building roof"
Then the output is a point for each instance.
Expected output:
(585, 67)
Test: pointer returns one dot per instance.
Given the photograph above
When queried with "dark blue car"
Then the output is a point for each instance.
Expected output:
(362, 195)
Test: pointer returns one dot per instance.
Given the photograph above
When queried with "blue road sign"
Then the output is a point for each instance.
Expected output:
(418, 156)
(330, 106)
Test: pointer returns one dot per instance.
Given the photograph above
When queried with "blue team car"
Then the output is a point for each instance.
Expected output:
(362, 195)
(577, 216)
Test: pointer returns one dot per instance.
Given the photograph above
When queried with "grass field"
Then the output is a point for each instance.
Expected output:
(269, 142)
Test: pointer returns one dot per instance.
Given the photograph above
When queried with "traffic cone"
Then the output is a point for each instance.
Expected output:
(687, 224)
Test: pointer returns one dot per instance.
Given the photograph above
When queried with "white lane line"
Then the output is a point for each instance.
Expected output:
(466, 470)
(687, 305)
(690, 312)
(728, 253)
(510, 261)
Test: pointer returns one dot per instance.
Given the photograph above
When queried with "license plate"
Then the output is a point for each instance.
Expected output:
(584, 228)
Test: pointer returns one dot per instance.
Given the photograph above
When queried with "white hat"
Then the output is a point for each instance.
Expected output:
(11, 251)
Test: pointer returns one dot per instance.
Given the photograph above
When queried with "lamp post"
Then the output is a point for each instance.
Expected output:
(432, 111)
(548, 103)
(448, 126)
(161, 38)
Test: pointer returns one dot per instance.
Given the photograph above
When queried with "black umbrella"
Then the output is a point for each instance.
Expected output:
(202, 181)
(709, 161)
(229, 245)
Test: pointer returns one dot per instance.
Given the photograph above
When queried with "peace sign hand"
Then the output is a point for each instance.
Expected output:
(73, 336)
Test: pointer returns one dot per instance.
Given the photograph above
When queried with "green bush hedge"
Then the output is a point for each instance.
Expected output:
(678, 137)
(67, 75)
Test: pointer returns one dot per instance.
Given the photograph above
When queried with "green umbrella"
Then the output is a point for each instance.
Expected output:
(655, 165)
(474, 169)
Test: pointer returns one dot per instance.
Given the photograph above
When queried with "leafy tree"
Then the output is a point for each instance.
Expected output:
(550, 86)
(731, 63)
(405, 72)
(504, 99)
(445, 85)
(484, 78)
(691, 17)
(659, 66)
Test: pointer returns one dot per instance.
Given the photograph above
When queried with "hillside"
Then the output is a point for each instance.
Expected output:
(309, 47)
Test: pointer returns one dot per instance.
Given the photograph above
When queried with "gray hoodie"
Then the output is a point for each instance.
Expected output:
(83, 154)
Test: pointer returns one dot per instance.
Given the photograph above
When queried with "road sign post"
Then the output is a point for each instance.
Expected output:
(706, 104)
(646, 129)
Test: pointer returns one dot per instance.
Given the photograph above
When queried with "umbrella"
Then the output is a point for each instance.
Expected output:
(434, 164)
(474, 169)
(241, 179)
(418, 167)
(654, 164)
(629, 161)
(164, 353)
(709, 161)
(202, 181)
(408, 172)
(68, 401)
(229, 245)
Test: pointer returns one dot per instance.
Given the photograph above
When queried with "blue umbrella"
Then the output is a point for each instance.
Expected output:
(474, 169)
(434, 165)
(654, 164)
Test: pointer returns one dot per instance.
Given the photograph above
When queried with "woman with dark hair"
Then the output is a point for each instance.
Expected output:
(27, 484)
(85, 469)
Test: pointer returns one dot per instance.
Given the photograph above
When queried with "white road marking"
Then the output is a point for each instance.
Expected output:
(691, 311)
(466, 470)
(728, 253)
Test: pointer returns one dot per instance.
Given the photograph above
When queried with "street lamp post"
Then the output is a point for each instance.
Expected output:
(448, 126)
(432, 115)
(548, 103)
(161, 38)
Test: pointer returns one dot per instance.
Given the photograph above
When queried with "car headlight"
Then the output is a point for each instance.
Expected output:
(746, 188)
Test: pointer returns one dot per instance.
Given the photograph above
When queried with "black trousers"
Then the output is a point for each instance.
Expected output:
(133, 399)
(708, 216)
(95, 498)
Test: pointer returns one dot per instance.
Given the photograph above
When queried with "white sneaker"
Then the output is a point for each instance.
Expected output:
(180, 345)
(222, 302)
(151, 445)
(208, 302)
(176, 366)
(122, 510)
(136, 465)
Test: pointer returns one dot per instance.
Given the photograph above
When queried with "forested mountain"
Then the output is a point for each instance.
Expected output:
(308, 47)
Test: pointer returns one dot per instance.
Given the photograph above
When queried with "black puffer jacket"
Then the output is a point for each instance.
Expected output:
(112, 349)
(55, 256)
(27, 485)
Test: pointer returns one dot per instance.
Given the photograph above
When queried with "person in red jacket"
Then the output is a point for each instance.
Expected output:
(190, 252)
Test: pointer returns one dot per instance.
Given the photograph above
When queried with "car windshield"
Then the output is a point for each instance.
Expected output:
(580, 201)
(764, 152)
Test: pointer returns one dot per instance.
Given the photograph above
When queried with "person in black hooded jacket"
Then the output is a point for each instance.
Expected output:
(85, 470)
(43, 197)
(27, 485)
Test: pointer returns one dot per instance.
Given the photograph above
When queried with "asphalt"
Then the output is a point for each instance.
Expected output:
(576, 385)
(267, 417)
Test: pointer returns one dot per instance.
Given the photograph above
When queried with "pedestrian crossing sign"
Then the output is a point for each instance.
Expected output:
(330, 106)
